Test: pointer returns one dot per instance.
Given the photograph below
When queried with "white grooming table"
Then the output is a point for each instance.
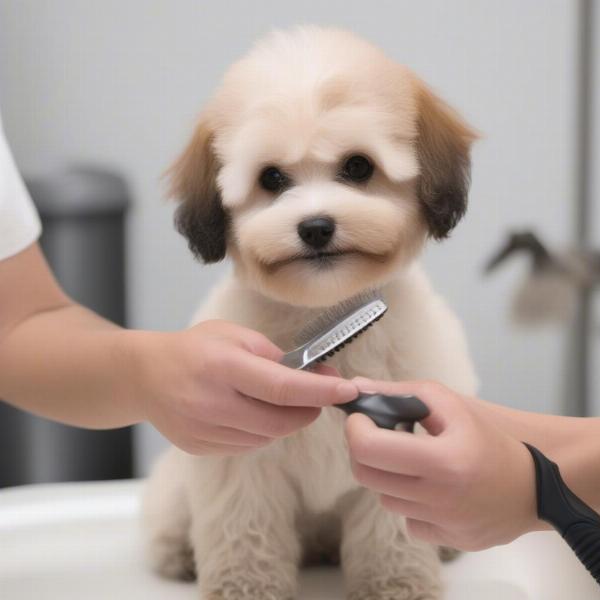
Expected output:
(81, 542)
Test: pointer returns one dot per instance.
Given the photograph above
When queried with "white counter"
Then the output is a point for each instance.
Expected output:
(81, 542)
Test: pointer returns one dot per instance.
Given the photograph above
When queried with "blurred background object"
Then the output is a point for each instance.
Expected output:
(121, 83)
(556, 279)
(83, 216)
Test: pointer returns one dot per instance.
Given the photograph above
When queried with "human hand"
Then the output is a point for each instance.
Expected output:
(217, 388)
(467, 485)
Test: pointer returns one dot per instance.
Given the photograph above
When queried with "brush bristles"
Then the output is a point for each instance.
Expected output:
(332, 316)
(337, 348)
(340, 325)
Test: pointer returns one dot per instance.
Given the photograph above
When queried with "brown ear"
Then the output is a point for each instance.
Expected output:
(200, 217)
(443, 147)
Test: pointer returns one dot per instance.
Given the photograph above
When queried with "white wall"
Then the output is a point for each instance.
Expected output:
(121, 82)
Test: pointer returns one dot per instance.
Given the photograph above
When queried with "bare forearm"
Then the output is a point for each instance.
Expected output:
(70, 365)
(214, 388)
(572, 442)
(58, 359)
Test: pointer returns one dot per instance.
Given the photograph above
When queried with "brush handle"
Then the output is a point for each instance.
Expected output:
(577, 523)
(388, 412)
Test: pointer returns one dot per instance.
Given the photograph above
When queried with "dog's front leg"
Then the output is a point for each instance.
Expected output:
(243, 534)
(379, 561)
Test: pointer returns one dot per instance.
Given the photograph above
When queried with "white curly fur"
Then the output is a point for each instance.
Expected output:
(244, 509)
(248, 520)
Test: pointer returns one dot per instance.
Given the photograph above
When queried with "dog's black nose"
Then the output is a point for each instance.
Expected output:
(316, 232)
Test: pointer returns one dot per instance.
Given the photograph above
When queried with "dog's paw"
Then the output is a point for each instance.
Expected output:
(247, 590)
(447, 554)
(396, 589)
(172, 559)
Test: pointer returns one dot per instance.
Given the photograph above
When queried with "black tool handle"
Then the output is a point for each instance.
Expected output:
(388, 412)
(577, 523)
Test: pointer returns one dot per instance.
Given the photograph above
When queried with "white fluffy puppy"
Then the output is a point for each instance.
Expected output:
(320, 167)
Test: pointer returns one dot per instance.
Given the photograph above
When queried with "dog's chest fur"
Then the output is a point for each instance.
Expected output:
(419, 338)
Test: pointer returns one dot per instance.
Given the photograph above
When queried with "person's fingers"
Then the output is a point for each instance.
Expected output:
(260, 345)
(442, 402)
(225, 449)
(395, 451)
(406, 508)
(391, 484)
(248, 339)
(263, 419)
(202, 447)
(271, 382)
(426, 532)
(232, 437)
(322, 369)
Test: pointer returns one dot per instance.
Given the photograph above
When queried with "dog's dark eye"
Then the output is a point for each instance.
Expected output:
(357, 168)
(272, 179)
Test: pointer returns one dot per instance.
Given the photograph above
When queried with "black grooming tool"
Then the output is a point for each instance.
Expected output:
(389, 412)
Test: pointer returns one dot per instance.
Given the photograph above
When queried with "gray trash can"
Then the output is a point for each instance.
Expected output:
(83, 212)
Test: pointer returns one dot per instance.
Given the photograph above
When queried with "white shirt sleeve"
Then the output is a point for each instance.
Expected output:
(19, 222)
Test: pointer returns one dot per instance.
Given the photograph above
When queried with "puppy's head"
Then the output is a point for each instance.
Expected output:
(320, 167)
